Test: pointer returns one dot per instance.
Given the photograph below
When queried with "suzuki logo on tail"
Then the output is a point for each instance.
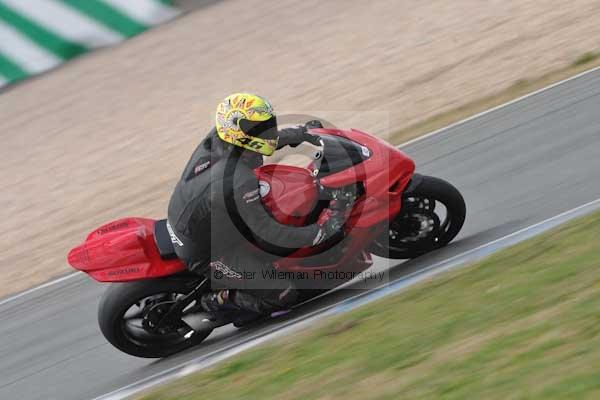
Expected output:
(124, 271)
(174, 238)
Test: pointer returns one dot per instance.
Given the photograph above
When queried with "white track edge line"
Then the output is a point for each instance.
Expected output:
(42, 286)
(425, 136)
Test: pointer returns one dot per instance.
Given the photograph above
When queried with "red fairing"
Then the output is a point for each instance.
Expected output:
(123, 250)
(384, 176)
(290, 193)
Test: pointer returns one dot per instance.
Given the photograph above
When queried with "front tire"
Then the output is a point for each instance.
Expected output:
(421, 226)
(127, 333)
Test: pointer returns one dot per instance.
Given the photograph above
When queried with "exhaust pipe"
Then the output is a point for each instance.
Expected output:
(202, 321)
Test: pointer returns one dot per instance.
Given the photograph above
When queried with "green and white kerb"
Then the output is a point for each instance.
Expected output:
(37, 35)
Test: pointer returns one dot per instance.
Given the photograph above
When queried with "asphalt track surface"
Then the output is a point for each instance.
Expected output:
(516, 166)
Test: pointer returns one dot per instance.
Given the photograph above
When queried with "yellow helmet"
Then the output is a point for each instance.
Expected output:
(248, 121)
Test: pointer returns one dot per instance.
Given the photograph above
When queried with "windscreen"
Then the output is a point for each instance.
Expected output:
(338, 154)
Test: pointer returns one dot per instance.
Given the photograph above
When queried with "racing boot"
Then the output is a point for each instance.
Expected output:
(253, 311)
(219, 305)
(222, 306)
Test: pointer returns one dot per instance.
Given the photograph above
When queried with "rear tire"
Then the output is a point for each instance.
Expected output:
(418, 205)
(121, 297)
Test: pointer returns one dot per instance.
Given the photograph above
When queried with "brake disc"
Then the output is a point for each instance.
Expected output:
(417, 221)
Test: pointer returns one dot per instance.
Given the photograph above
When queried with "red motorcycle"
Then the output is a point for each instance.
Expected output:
(154, 311)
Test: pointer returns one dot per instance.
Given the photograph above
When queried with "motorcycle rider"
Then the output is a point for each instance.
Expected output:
(216, 218)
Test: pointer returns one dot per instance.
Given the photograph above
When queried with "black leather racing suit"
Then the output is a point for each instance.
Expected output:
(217, 219)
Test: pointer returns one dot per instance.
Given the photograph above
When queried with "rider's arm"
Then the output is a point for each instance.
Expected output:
(269, 233)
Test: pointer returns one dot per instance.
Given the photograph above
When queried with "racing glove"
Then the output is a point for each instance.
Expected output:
(295, 135)
(332, 223)
(313, 124)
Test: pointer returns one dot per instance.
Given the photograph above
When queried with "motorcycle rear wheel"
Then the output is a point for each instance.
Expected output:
(420, 227)
(125, 330)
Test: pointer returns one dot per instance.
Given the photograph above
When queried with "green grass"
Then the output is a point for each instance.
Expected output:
(586, 58)
(524, 323)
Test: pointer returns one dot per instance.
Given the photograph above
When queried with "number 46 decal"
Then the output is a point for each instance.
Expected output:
(255, 144)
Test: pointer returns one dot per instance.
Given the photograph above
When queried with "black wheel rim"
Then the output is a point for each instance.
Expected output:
(420, 227)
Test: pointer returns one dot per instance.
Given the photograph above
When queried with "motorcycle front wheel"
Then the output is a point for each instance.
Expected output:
(127, 312)
(432, 214)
